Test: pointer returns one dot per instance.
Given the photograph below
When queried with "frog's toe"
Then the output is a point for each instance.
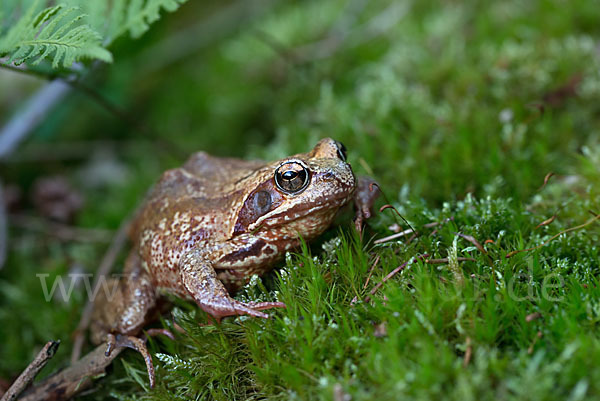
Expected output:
(157, 332)
(265, 305)
(253, 308)
(242, 309)
(135, 343)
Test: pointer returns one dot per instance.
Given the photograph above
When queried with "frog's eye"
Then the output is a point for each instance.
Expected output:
(341, 150)
(291, 177)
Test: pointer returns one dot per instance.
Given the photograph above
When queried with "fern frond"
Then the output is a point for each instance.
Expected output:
(55, 32)
(60, 34)
(136, 16)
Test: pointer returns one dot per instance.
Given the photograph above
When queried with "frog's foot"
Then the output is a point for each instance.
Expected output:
(135, 343)
(227, 306)
(366, 193)
(200, 280)
(139, 344)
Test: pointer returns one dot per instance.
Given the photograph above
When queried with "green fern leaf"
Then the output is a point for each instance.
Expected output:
(55, 32)
(136, 16)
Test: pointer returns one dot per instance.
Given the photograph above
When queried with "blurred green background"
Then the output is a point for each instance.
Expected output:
(457, 109)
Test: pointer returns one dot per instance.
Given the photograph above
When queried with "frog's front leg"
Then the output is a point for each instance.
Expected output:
(200, 280)
(366, 193)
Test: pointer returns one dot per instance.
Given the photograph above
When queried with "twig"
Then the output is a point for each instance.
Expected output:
(394, 236)
(546, 222)
(535, 340)
(3, 230)
(587, 223)
(72, 380)
(407, 231)
(546, 179)
(61, 231)
(445, 260)
(371, 271)
(392, 274)
(468, 352)
(105, 266)
(473, 241)
(438, 223)
(28, 70)
(31, 371)
(51, 94)
(38, 106)
(389, 206)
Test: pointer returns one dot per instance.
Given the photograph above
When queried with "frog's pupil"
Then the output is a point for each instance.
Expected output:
(290, 175)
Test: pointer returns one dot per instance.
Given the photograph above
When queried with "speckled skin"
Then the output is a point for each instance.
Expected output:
(200, 236)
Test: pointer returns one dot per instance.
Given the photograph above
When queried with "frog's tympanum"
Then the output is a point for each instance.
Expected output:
(208, 226)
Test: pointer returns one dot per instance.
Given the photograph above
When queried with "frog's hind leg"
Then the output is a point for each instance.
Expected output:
(200, 280)
(119, 317)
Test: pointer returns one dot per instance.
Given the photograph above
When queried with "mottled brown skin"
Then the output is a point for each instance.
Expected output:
(211, 224)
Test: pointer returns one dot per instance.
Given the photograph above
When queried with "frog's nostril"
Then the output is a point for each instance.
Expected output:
(328, 176)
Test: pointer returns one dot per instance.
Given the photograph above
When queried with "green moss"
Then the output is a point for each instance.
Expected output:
(453, 108)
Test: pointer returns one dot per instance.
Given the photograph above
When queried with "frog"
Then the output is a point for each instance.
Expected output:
(207, 227)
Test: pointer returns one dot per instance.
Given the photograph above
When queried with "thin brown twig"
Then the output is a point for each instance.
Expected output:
(468, 352)
(66, 383)
(389, 206)
(27, 70)
(31, 371)
(481, 249)
(392, 274)
(473, 241)
(587, 223)
(394, 236)
(126, 117)
(105, 266)
(407, 231)
(47, 97)
(535, 340)
(438, 223)
(371, 270)
(533, 316)
(411, 239)
(445, 260)
(546, 179)
(546, 222)
(28, 118)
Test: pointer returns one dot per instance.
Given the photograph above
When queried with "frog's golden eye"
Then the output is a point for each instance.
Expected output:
(341, 150)
(291, 177)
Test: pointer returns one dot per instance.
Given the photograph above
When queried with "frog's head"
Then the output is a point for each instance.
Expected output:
(299, 194)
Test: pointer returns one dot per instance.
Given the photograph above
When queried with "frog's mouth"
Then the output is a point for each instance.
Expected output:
(302, 210)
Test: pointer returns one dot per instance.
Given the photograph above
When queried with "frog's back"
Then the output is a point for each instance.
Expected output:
(188, 207)
(203, 189)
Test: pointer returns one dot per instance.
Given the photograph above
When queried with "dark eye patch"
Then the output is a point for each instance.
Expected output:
(261, 202)
(258, 203)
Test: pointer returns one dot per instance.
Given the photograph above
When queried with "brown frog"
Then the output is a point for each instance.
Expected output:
(208, 226)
